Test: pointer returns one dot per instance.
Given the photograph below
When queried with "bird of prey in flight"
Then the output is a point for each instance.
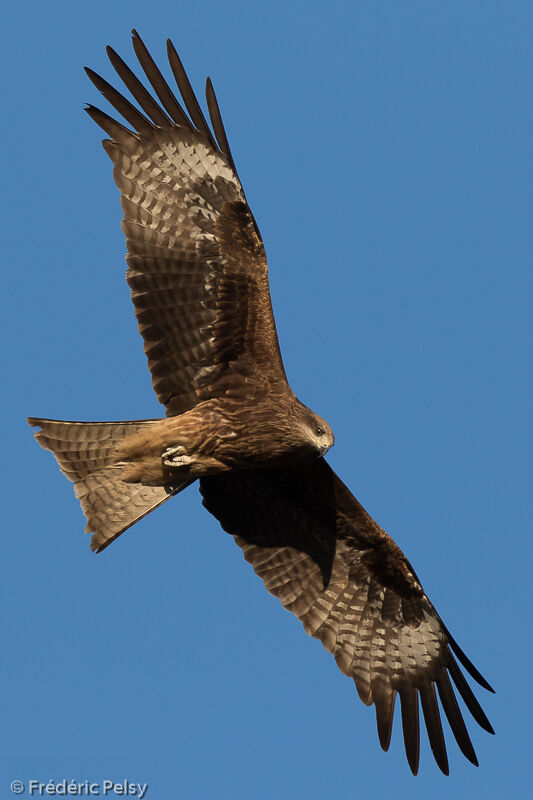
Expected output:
(199, 283)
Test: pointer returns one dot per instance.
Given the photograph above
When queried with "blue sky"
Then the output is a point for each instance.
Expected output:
(386, 152)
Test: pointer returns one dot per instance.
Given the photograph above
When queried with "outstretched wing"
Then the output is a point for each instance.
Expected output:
(197, 265)
(324, 557)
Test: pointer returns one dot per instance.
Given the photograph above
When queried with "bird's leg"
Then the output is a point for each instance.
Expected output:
(176, 457)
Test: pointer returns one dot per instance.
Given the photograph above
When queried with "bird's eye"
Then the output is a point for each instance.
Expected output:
(320, 431)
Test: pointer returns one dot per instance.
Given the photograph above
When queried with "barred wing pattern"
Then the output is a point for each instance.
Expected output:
(197, 266)
(324, 557)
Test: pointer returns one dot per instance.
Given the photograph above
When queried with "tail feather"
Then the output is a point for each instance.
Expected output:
(86, 454)
(112, 506)
(82, 447)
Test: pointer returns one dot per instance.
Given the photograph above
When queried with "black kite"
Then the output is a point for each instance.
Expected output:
(199, 283)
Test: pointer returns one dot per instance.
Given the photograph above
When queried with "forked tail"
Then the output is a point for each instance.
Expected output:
(86, 454)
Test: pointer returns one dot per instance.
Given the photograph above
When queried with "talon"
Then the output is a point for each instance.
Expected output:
(176, 457)
(179, 461)
(178, 450)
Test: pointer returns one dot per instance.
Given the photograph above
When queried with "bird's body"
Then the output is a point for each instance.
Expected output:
(219, 435)
(198, 275)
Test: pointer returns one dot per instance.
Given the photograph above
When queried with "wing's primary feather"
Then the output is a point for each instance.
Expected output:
(186, 91)
(143, 97)
(159, 84)
(218, 125)
(197, 267)
(324, 557)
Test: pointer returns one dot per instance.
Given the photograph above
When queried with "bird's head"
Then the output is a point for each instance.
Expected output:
(320, 433)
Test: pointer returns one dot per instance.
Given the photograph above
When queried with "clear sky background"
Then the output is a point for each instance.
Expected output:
(385, 148)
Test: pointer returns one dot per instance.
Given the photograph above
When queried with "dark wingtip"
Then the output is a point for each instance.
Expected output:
(430, 710)
(465, 661)
(411, 727)
(467, 664)
(468, 696)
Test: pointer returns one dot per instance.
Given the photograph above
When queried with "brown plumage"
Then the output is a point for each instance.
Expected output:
(324, 557)
(199, 283)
